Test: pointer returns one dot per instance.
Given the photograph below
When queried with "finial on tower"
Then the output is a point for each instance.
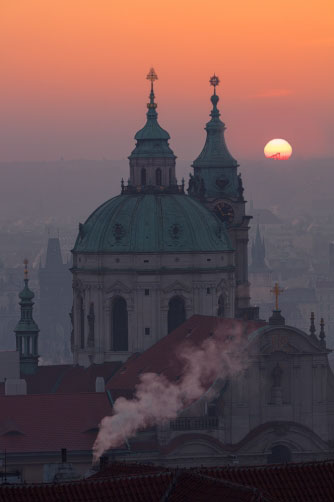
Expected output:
(322, 335)
(25, 262)
(214, 80)
(152, 76)
(312, 326)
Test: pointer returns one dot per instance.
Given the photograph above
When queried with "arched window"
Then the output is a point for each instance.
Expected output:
(170, 176)
(143, 176)
(176, 313)
(119, 325)
(221, 307)
(158, 177)
(280, 454)
(82, 324)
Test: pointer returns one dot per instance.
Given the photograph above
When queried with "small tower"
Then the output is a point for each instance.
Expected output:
(152, 162)
(258, 254)
(26, 330)
(217, 184)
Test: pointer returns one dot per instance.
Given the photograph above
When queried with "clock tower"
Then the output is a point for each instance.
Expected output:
(218, 185)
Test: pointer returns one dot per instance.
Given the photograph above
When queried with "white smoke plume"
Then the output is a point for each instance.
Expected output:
(157, 399)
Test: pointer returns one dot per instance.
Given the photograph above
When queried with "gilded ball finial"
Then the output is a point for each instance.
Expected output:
(214, 80)
(25, 262)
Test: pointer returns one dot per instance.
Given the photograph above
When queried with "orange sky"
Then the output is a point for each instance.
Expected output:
(73, 74)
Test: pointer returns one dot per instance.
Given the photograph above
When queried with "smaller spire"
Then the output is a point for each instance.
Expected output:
(215, 114)
(26, 295)
(152, 76)
(322, 335)
(25, 262)
(312, 326)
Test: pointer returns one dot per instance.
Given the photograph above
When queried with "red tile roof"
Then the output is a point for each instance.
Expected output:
(198, 487)
(161, 357)
(304, 482)
(67, 378)
(164, 486)
(36, 423)
(119, 469)
(308, 482)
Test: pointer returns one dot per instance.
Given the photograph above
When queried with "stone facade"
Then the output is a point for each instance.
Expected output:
(147, 283)
(279, 409)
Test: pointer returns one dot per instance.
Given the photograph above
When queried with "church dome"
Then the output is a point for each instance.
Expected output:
(151, 223)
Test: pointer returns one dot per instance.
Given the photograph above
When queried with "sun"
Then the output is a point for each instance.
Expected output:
(278, 149)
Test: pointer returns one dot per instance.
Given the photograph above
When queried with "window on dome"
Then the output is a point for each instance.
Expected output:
(119, 325)
(158, 177)
(170, 176)
(176, 313)
(143, 176)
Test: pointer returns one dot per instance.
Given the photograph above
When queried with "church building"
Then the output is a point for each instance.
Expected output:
(153, 256)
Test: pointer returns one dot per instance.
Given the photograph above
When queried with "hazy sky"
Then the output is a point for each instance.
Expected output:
(73, 74)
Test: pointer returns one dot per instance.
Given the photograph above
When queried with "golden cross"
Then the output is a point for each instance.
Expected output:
(277, 291)
(152, 76)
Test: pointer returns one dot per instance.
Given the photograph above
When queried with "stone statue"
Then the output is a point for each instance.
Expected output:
(240, 188)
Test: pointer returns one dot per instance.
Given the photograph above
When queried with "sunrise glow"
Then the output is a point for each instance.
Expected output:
(278, 149)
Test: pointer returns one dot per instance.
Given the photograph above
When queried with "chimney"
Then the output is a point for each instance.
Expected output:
(99, 384)
(15, 387)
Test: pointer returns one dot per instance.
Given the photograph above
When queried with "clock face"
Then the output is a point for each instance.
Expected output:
(224, 212)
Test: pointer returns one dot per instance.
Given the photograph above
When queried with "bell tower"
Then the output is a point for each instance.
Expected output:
(26, 330)
(218, 185)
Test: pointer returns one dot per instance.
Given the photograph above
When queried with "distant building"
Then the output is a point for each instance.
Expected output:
(55, 305)
(260, 276)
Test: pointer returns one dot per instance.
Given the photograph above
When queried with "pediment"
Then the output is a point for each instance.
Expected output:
(285, 339)
(176, 286)
(118, 287)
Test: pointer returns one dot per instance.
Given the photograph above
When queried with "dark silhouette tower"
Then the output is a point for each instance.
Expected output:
(26, 330)
(55, 304)
(217, 184)
(258, 254)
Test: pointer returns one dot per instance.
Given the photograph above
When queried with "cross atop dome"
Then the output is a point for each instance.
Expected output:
(152, 76)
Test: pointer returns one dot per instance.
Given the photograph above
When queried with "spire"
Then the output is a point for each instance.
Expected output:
(258, 253)
(152, 162)
(152, 140)
(312, 326)
(152, 76)
(322, 335)
(26, 330)
(215, 153)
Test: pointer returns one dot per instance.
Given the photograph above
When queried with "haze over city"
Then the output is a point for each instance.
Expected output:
(166, 250)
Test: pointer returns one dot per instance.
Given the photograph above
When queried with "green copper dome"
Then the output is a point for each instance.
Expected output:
(151, 223)
(26, 295)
